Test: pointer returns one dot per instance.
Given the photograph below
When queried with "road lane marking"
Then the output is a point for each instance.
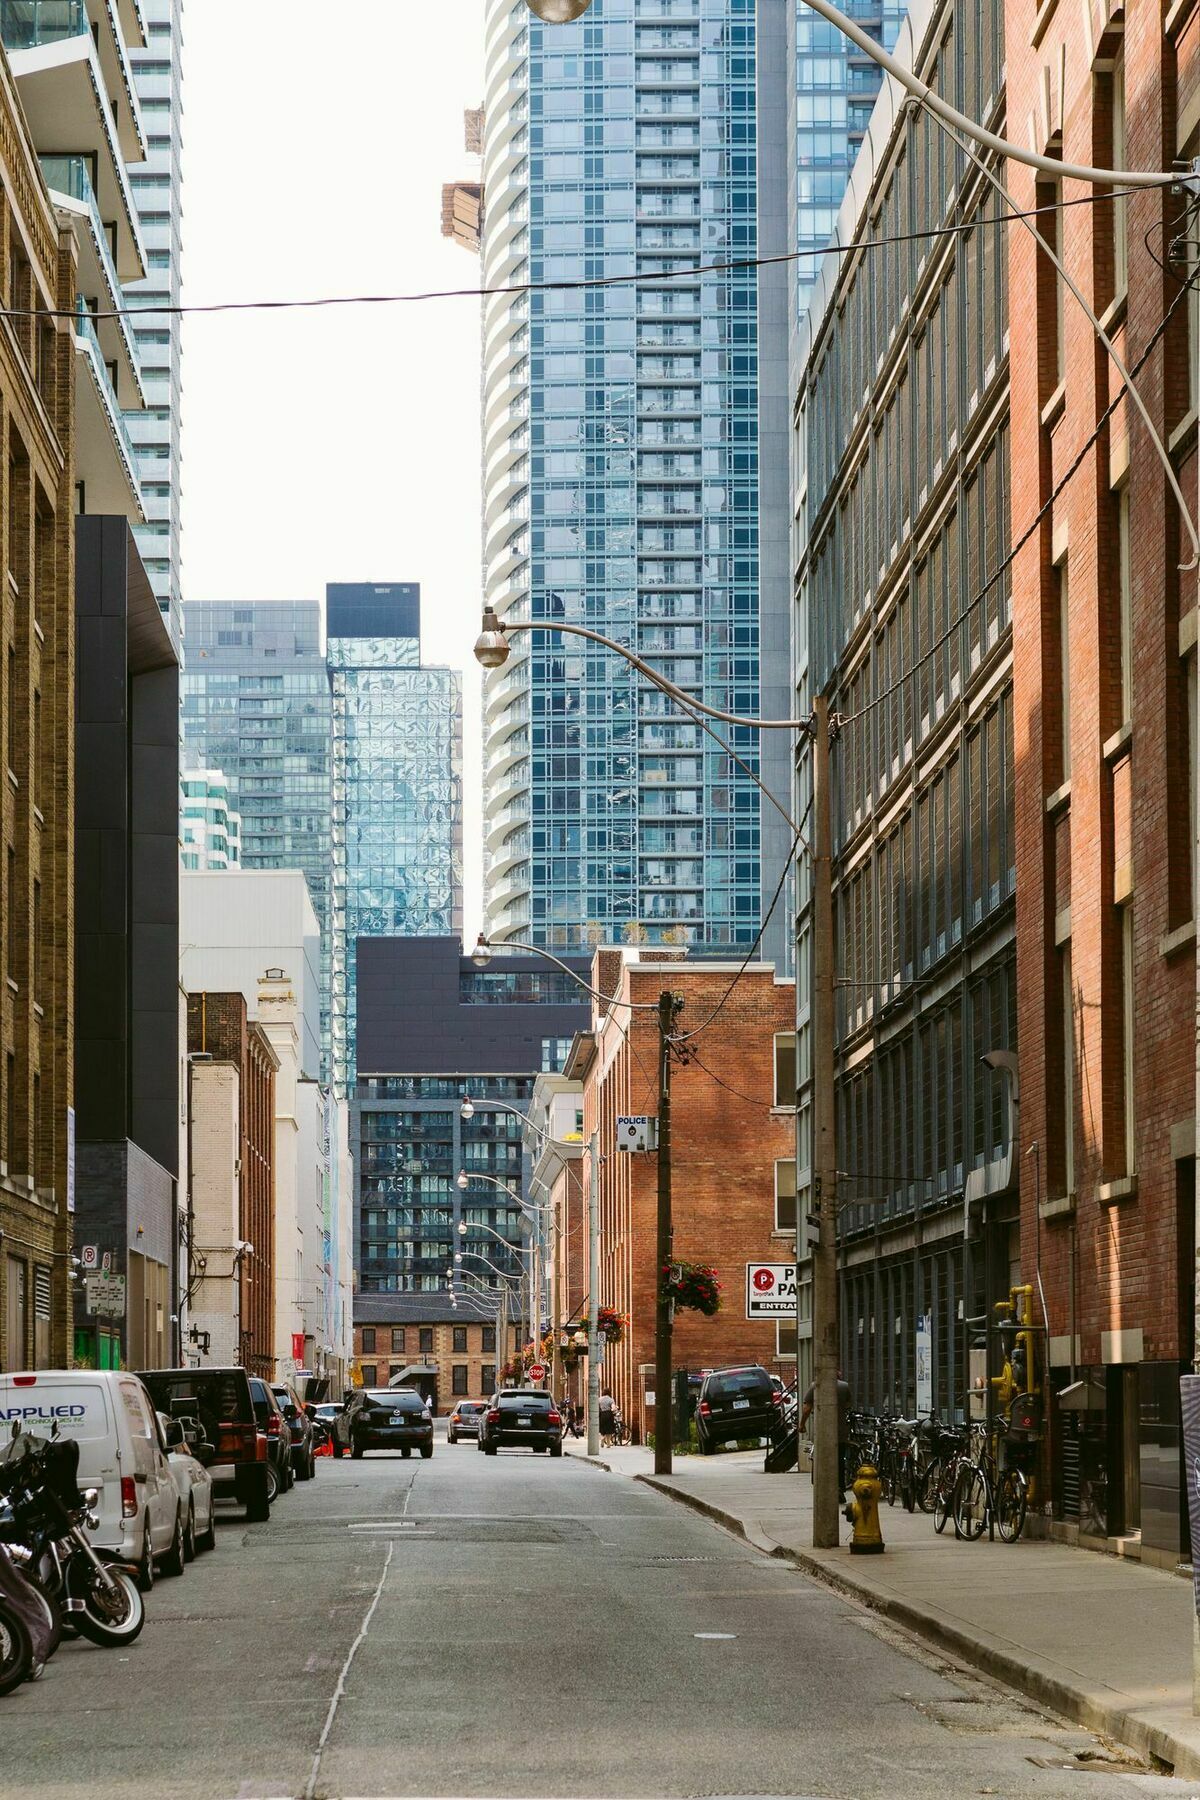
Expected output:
(717, 1637)
(340, 1689)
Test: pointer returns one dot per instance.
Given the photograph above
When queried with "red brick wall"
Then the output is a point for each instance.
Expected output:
(1126, 814)
(724, 1148)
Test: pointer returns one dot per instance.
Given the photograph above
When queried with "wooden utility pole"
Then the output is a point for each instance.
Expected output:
(827, 1492)
(662, 1314)
(593, 1373)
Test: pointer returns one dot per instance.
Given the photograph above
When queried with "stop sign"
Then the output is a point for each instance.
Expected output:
(537, 1371)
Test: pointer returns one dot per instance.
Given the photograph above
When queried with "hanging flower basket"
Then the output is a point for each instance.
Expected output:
(693, 1286)
(612, 1324)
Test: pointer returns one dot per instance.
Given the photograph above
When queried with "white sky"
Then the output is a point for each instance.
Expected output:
(340, 445)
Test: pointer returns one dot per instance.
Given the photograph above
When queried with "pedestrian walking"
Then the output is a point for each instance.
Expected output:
(608, 1416)
(845, 1448)
(570, 1413)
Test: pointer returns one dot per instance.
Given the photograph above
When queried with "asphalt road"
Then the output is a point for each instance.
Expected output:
(516, 1626)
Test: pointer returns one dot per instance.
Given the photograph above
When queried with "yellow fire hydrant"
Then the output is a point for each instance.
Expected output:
(863, 1513)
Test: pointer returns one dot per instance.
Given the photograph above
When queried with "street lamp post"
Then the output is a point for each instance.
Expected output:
(492, 650)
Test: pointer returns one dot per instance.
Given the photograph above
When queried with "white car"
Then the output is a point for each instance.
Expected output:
(183, 1443)
(121, 1454)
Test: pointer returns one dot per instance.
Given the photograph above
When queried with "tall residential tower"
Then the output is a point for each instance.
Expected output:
(396, 786)
(256, 706)
(621, 468)
(156, 190)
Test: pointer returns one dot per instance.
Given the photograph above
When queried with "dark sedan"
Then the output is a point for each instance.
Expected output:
(519, 1417)
(383, 1419)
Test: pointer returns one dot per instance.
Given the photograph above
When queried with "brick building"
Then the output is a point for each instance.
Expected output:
(447, 1351)
(1105, 743)
(904, 622)
(231, 1135)
(732, 1155)
(37, 673)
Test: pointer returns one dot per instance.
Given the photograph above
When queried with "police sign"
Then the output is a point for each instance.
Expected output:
(770, 1290)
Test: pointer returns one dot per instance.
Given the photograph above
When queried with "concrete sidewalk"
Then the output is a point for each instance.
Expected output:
(1102, 1641)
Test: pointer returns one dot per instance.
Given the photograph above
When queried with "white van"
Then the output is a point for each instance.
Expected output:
(121, 1453)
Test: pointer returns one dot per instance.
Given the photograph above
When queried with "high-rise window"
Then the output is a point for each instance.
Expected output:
(785, 1194)
(1119, 206)
(1124, 605)
(1068, 1069)
(785, 1068)
(1063, 599)
(1128, 1091)
(10, 902)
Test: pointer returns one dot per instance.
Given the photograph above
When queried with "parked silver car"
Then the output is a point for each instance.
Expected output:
(464, 1420)
(185, 1445)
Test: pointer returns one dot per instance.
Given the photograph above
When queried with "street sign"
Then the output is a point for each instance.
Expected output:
(639, 1132)
(89, 1256)
(924, 1370)
(104, 1295)
(770, 1290)
(70, 1159)
(537, 1371)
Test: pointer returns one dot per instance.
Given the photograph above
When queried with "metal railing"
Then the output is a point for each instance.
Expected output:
(24, 24)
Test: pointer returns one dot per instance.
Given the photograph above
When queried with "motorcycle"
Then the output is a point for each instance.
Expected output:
(44, 1523)
(27, 1639)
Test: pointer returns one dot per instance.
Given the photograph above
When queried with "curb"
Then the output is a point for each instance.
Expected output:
(1036, 1680)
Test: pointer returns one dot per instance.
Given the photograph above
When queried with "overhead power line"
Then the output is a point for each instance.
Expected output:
(653, 277)
(961, 618)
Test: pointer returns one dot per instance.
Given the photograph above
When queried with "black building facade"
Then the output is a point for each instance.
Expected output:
(127, 1022)
(433, 1030)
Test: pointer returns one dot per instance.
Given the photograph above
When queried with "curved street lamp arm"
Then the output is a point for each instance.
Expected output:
(492, 625)
(484, 949)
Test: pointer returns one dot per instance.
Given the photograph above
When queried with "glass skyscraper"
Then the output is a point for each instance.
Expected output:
(396, 787)
(621, 468)
(256, 705)
(156, 187)
(835, 90)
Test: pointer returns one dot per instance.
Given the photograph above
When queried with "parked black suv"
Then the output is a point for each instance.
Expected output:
(269, 1414)
(383, 1419)
(222, 1401)
(521, 1416)
(736, 1403)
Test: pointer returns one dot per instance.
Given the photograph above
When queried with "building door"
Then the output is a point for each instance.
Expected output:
(16, 1315)
(1124, 1453)
(41, 1318)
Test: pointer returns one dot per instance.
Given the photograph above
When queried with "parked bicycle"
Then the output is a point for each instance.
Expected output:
(988, 1491)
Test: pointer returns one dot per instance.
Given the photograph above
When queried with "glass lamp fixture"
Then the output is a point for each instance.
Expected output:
(491, 646)
(467, 1109)
(558, 12)
(481, 955)
(462, 1228)
(460, 1180)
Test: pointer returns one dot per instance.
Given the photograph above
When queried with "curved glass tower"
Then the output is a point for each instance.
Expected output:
(621, 468)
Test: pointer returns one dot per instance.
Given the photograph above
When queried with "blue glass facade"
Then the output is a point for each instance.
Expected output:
(256, 705)
(621, 468)
(836, 86)
(396, 787)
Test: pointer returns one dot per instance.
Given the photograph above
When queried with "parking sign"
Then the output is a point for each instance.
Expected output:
(770, 1290)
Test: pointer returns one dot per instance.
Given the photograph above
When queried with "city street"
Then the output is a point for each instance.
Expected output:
(517, 1626)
